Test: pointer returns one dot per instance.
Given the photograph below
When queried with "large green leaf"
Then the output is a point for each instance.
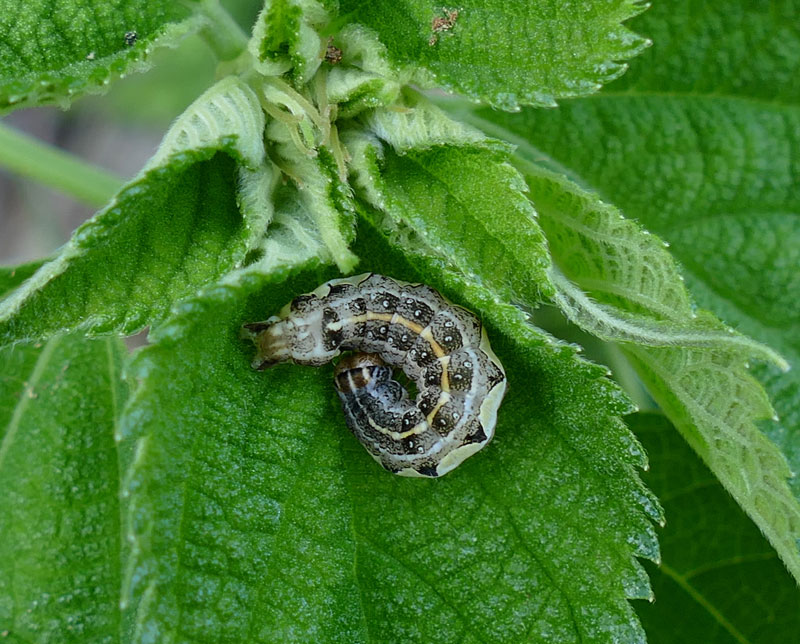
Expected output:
(59, 480)
(695, 366)
(169, 231)
(253, 511)
(505, 53)
(53, 52)
(718, 581)
(450, 189)
(707, 164)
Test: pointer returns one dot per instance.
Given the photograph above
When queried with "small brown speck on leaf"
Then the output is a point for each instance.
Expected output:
(332, 53)
(440, 24)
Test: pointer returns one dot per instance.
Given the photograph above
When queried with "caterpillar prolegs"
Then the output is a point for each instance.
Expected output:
(441, 347)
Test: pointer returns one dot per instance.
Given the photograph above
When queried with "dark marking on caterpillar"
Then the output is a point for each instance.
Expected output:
(441, 347)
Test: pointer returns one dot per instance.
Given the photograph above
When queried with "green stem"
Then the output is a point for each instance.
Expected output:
(223, 34)
(41, 162)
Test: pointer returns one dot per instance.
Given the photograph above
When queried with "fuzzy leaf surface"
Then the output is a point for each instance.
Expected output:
(170, 230)
(59, 479)
(719, 580)
(711, 168)
(506, 54)
(54, 52)
(12, 276)
(452, 190)
(253, 510)
(285, 37)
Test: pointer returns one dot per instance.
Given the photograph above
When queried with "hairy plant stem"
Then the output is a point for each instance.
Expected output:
(223, 34)
(56, 169)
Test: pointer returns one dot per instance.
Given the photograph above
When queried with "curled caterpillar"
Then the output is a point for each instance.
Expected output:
(441, 347)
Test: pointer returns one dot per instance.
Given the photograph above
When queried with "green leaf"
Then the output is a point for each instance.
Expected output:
(707, 163)
(322, 189)
(756, 59)
(364, 78)
(293, 238)
(253, 511)
(462, 200)
(169, 231)
(54, 52)
(506, 54)
(277, 29)
(285, 37)
(59, 480)
(719, 580)
(693, 366)
(713, 401)
(289, 40)
(637, 294)
(12, 276)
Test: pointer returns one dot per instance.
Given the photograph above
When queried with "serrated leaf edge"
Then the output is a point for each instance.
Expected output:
(614, 325)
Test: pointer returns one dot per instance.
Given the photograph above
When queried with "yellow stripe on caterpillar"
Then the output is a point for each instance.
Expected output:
(441, 347)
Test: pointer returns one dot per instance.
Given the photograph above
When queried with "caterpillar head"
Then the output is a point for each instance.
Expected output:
(298, 334)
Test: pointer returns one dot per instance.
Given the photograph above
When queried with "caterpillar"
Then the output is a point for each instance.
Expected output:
(442, 348)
